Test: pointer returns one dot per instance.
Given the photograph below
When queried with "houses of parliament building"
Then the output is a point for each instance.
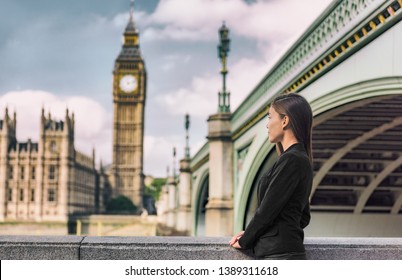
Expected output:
(50, 180)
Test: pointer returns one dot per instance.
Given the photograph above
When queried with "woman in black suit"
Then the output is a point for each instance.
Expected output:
(276, 230)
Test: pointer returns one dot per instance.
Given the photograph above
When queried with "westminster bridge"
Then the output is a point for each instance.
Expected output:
(348, 65)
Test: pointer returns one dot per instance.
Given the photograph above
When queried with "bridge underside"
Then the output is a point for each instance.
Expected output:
(357, 151)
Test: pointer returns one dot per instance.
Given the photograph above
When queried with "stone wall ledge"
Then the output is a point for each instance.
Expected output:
(189, 248)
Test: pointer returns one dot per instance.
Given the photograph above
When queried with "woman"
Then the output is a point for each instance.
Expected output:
(276, 230)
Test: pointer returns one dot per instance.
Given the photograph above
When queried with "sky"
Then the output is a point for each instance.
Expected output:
(60, 54)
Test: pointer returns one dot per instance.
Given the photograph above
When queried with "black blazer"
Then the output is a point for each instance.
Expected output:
(283, 206)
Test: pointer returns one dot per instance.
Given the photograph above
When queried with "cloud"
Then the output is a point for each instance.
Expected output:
(192, 20)
(197, 99)
(171, 61)
(262, 20)
(201, 97)
(159, 154)
(93, 125)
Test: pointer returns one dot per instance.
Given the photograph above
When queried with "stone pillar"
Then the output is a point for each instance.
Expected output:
(4, 142)
(67, 146)
(40, 172)
(219, 210)
(62, 193)
(7, 137)
(184, 209)
(171, 213)
(17, 187)
(163, 205)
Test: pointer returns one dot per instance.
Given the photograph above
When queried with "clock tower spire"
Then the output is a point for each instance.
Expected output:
(131, 10)
(129, 94)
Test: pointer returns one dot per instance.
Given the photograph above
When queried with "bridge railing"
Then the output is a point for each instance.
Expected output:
(190, 248)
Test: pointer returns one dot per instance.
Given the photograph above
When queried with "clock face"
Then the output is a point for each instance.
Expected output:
(128, 83)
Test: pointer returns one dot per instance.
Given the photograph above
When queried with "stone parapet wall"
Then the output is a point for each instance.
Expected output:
(190, 248)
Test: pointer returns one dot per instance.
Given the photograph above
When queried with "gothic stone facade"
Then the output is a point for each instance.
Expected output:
(48, 180)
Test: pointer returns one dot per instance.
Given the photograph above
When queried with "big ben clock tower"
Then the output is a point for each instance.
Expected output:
(129, 93)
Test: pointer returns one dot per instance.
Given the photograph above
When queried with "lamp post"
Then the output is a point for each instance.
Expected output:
(174, 163)
(219, 209)
(223, 51)
(187, 126)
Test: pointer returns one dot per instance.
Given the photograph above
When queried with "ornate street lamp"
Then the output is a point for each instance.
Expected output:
(174, 163)
(187, 126)
(223, 51)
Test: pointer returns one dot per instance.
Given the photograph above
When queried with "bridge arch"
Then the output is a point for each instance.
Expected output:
(366, 123)
(258, 152)
(325, 108)
(199, 200)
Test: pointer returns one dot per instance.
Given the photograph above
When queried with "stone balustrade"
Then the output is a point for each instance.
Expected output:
(189, 248)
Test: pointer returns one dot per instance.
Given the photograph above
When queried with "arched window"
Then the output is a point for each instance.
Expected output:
(53, 147)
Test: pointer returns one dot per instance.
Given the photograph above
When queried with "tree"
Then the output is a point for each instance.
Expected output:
(121, 205)
(155, 188)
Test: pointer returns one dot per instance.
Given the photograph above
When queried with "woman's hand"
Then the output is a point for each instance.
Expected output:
(234, 242)
(236, 245)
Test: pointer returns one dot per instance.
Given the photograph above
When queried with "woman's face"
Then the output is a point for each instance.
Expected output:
(274, 126)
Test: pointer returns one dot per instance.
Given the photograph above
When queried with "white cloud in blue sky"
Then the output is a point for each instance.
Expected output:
(61, 53)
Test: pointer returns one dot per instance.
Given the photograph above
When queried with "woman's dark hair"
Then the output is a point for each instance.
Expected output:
(300, 116)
